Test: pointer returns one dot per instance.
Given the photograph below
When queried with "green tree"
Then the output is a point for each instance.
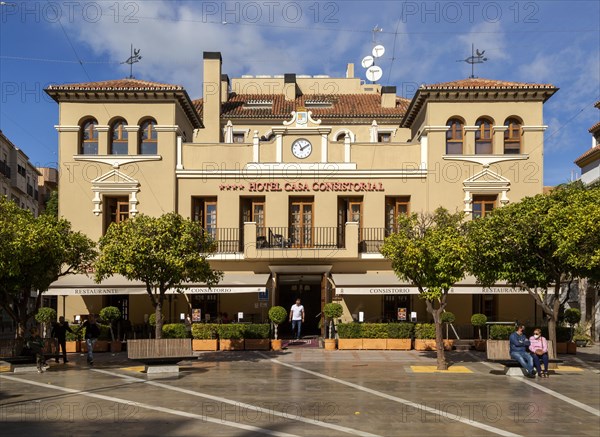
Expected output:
(164, 252)
(52, 204)
(539, 244)
(34, 253)
(430, 251)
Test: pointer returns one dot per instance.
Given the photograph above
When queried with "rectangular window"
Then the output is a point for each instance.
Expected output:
(204, 211)
(384, 137)
(350, 209)
(394, 207)
(116, 210)
(301, 221)
(483, 205)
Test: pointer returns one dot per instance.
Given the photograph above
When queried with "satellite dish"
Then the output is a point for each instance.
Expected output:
(367, 61)
(378, 51)
(374, 73)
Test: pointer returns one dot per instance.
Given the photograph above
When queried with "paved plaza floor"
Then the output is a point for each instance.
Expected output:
(303, 392)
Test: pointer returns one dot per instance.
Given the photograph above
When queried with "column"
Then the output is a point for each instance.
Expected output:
(324, 144)
(179, 165)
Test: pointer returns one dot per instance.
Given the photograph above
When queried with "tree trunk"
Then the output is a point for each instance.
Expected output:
(159, 319)
(553, 317)
(439, 335)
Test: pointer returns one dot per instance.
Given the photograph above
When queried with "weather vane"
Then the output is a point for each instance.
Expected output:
(475, 58)
(135, 57)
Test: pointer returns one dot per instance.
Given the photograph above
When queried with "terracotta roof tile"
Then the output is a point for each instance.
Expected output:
(479, 83)
(333, 106)
(594, 128)
(588, 154)
(117, 85)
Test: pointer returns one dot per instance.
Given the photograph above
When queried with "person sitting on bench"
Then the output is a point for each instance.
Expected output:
(538, 346)
(519, 352)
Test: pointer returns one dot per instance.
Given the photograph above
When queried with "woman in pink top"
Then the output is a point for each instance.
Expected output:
(538, 346)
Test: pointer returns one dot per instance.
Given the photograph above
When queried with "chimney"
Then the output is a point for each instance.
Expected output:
(211, 93)
(388, 96)
(289, 86)
(224, 88)
(350, 71)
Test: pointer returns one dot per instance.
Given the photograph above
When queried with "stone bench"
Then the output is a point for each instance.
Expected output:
(160, 355)
(498, 351)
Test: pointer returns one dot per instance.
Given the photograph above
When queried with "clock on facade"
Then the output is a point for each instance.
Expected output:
(301, 148)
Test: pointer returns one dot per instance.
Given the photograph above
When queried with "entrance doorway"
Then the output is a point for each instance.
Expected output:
(308, 289)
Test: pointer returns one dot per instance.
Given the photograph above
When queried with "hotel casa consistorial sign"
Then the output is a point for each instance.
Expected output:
(262, 187)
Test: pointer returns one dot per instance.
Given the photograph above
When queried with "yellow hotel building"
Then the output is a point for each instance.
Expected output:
(299, 179)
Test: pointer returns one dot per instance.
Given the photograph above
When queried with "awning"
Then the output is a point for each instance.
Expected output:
(84, 285)
(381, 283)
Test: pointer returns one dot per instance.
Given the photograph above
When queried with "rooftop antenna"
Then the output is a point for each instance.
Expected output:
(475, 58)
(134, 58)
(374, 72)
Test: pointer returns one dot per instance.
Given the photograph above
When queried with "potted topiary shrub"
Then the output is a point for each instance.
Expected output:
(479, 320)
(277, 315)
(447, 318)
(205, 337)
(331, 311)
(572, 317)
(110, 315)
(256, 336)
(45, 316)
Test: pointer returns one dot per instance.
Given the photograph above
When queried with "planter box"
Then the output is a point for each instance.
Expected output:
(231, 345)
(73, 346)
(398, 344)
(350, 343)
(257, 344)
(276, 344)
(116, 346)
(329, 344)
(480, 345)
(205, 345)
(100, 346)
(566, 348)
(429, 345)
(374, 343)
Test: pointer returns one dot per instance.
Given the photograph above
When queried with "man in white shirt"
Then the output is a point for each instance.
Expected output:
(297, 317)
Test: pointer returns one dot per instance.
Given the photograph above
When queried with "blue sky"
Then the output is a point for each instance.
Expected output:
(49, 42)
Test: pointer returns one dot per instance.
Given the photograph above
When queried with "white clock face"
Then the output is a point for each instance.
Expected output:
(301, 148)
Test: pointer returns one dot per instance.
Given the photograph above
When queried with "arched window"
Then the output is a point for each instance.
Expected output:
(89, 138)
(512, 136)
(341, 137)
(454, 137)
(483, 137)
(118, 138)
(148, 138)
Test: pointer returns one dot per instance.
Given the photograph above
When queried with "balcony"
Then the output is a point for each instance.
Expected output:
(298, 242)
(371, 239)
(5, 169)
(226, 239)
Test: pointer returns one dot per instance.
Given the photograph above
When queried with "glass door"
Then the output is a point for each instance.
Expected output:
(301, 223)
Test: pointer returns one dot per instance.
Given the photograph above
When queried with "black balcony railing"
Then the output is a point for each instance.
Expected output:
(5, 169)
(226, 239)
(298, 237)
(371, 239)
